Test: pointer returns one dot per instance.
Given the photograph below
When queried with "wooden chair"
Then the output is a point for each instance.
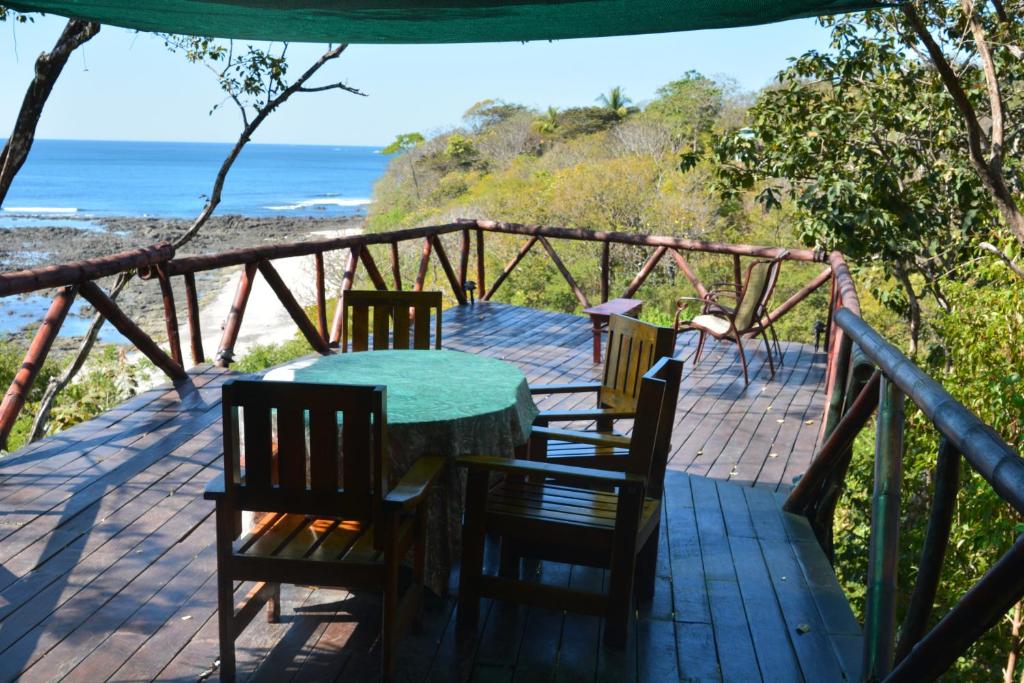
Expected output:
(560, 513)
(330, 521)
(633, 347)
(404, 309)
(743, 318)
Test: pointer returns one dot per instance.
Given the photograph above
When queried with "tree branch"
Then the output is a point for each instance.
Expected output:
(991, 83)
(335, 86)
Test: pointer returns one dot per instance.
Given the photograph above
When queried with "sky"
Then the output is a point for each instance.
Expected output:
(124, 85)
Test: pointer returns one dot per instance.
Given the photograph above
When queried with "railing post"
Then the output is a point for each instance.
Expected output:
(16, 395)
(195, 333)
(933, 551)
(321, 296)
(463, 257)
(880, 609)
(606, 248)
(737, 272)
(170, 314)
(226, 352)
(347, 279)
(481, 283)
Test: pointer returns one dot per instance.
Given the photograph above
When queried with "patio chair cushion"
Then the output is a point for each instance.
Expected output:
(712, 323)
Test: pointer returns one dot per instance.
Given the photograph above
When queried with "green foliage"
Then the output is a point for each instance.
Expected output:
(578, 121)
(616, 102)
(263, 356)
(403, 142)
(689, 106)
(489, 113)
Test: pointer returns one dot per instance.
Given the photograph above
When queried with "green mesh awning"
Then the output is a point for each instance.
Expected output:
(434, 21)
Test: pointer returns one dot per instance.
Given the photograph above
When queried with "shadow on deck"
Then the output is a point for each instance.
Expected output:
(107, 561)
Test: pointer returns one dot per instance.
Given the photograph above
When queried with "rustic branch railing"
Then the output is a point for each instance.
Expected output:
(864, 373)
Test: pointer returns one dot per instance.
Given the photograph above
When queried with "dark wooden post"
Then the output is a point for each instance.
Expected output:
(463, 256)
(170, 314)
(16, 395)
(580, 296)
(606, 267)
(106, 307)
(321, 295)
(226, 352)
(372, 270)
(481, 284)
(737, 272)
(880, 604)
(296, 311)
(933, 551)
(347, 279)
(446, 266)
(396, 271)
(645, 270)
(509, 268)
(421, 274)
(195, 333)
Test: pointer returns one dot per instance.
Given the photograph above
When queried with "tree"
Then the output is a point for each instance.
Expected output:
(689, 107)
(577, 121)
(48, 68)
(403, 144)
(616, 102)
(547, 123)
(489, 113)
(865, 141)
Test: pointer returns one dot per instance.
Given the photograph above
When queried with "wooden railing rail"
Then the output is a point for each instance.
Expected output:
(911, 653)
(46, 277)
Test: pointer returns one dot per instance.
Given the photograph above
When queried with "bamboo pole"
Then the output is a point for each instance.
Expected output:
(933, 551)
(25, 377)
(880, 603)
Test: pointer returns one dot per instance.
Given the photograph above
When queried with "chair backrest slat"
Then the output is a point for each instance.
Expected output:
(393, 315)
(633, 347)
(762, 276)
(337, 470)
(291, 447)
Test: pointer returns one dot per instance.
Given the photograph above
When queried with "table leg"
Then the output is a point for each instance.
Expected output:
(597, 339)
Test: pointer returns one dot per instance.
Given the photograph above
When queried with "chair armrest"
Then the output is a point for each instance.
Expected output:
(585, 414)
(576, 436)
(565, 388)
(215, 488)
(582, 475)
(414, 486)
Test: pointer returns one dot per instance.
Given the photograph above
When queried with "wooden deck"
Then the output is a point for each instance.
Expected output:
(107, 560)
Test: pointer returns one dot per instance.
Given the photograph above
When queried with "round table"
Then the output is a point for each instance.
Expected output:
(439, 402)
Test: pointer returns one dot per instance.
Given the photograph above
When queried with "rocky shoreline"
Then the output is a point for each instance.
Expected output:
(30, 247)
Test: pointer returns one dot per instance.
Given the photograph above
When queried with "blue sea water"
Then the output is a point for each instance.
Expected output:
(82, 179)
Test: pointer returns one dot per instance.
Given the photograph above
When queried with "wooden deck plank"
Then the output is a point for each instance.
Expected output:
(97, 583)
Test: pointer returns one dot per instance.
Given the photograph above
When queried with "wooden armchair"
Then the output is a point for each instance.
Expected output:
(571, 514)
(742, 317)
(633, 347)
(330, 521)
(404, 309)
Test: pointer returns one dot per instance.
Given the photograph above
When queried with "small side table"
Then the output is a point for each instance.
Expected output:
(599, 317)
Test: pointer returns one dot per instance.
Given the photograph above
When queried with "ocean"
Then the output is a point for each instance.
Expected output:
(81, 179)
(78, 183)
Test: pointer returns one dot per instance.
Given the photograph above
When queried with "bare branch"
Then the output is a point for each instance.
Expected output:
(989, 247)
(335, 86)
(991, 82)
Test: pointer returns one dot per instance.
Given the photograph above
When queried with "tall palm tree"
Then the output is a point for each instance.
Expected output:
(547, 122)
(616, 102)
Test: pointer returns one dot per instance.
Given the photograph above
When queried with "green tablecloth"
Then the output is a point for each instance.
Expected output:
(438, 403)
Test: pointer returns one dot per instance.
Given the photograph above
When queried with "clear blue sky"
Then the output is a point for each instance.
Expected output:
(126, 86)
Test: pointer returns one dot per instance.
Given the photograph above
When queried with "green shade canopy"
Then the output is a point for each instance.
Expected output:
(434, 21)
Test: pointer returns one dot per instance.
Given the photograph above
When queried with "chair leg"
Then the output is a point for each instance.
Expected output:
(274, 605)
(473, 527)
(743, 359)
(537, 449)
(700, 347)
(647, 567)
(225, 594)
(390, 604)
(768, 348)
(778, 349)
(508, 564)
